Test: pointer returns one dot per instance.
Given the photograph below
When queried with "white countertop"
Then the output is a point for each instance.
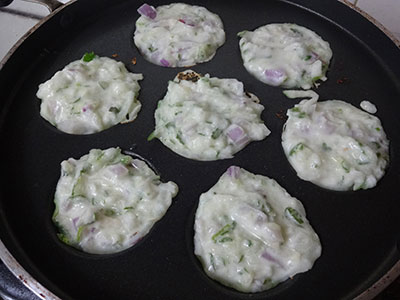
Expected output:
(23, 15)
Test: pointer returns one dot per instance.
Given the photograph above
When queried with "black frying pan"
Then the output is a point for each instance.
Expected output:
(359, 231)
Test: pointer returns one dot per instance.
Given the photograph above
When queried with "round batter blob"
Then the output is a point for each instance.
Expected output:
(250, 234)
(90, 95)
(286, 55)
(178, 34)
(335, 145)
(207, 118)
(106, 201)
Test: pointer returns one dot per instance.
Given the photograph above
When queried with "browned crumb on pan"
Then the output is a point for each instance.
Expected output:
(343, 80)
(189, 76)
(114, 55)
(281, 115)
(133, 61)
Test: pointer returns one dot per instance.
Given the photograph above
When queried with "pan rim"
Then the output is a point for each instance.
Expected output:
(39, 290)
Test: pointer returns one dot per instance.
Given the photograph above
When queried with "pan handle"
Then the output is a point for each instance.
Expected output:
(51, 5)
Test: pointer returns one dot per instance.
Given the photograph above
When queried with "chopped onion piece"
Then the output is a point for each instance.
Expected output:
(164, 62)
(270, 258)
(119, 170)
(147, 11)
(75, 221)
(233, 171)
(237, 134)
(275, 76)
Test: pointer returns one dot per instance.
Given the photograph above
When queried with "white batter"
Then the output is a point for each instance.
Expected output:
(106, 201)
(250, 234)
(286, 55)
(90, 95)
(178, 34)
(368, 106)
(334, 144)
(207, 118)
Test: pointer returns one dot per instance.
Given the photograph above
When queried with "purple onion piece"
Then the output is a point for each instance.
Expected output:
(119, 170)
(147, 11)
(314, 56)
(233, 171)
(164, 62)
(270, 258)
(237, 135)
(275, 77)
(74, 221)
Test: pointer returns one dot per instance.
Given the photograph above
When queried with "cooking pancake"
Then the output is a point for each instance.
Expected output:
(106, 201)
(90, 95)
(334, 144)
(178, 34)
(208, 118)
(250, 234)
(286, 55)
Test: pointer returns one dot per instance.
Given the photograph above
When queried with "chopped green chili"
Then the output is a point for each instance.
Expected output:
(294, 215)
(297, 148)
(152, 136)
(216, 133)
(228, 228)
(114, 109)
(88, 56)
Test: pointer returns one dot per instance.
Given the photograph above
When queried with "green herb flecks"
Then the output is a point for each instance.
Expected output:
(126, 160)
(345, 166)
(114, 109)
(294, 215)
(377, 145)
(109, 212)
(152, 136)
(267, 209)
(300, 114)
(297, 148)
(296, 31)
(78, 187)
(212, 261)
(316, 78)
(103, 84)
(220, 235)
(205, 51)
(179, 138)
(267, 281)
(216, 133)
(241, 33)
(325, 147)
(362, 186)
(241, 258)
(63, 238)
(88, 56)
(79, 234)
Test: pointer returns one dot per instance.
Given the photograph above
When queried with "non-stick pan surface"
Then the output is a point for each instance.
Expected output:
(359, 231)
